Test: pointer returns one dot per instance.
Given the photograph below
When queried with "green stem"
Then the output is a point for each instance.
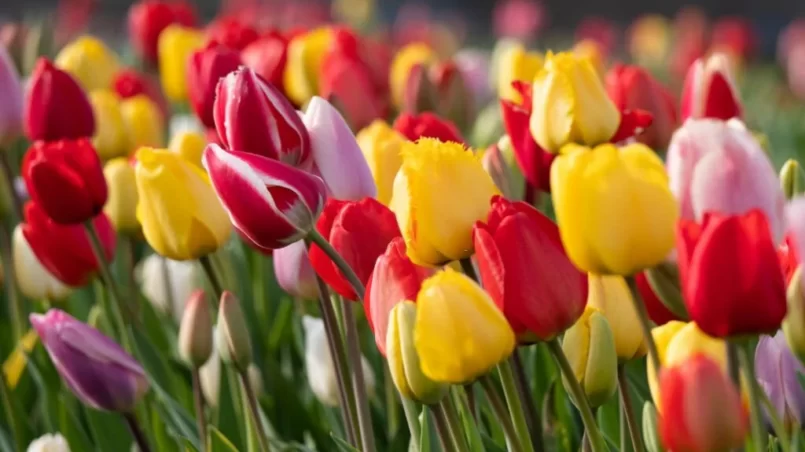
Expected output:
(8, 175)
(18, 323)
(459, 395)
(515, 405)
(596, 440)
(339, 262)
(443, 428)
(391, 396)
(777, 424)
(129, 261)
(136, 432)
(9, 411)
(758, 433)
(198, 399)
(209, 270)
(733, 364)
(358, 381)
(453, 421)
(255, 412)
(502, 414)
(412, 418)
(628, 411)
(645, 324)
(531, 414)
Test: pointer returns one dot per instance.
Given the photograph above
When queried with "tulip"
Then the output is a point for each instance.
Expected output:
(267, 57)
(204, 68)
(656, 309)
(710, 91)
(420, 93)
(168, 284)
(33, 279)
(381, 146)
(498, 162)
(253, 116)
(336, 154)
(56, 108)
(650, 39)
(592, 50)
(111, 135)
(270, 203)
(427, 125)
(181, 217)
(360, 231)
(404, 61)
(570, 104)
(778, 374)
(66, 179)
(405, 370)
(49, 442)
(130, 83)
(209, 375)
(516, 64)
(454, 100)
(190, 145)
(610, 295)
(459, 333)
(121, 207)
(794, 322)
(195, 331)
(475, 69)
(294, 272)
(148, 18)
(303, 66)
(231, 32)
(735, 36)
(588, 188)
(90, 62)
(633, 88)
(590, 348)
(176, 45)
(234, 344)
(11, 93)
(702, 409)
(792, 179)
(97, 370)
(651, 434)
(520, 257)
(144, 122)
(717, 166)
(436, 209)
(735, 248)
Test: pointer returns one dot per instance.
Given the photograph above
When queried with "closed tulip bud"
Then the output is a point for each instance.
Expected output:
(111, 137)
(499, 162)
(710, 91)
(66, 179)
(92, 64)
(176, 44)
(270, 203)
(195, 331)
(516, 248)
(121, 207)
(590, 348)
(144, 122)
(610, 295)
(436, 209)
(253, 116)
(570, 104)
(381, 146)
(588, 188)
(49, 442)
(403, 63)
(209, 375)
(56, 108)
(778, 374)
(303, 65)
(11, 93)
(294, 272)
(454, 99)
(204, 68)
(427, 125)
(33, 279)
(403, 358)
(420, 93)
(459, 333)
(267, 56)
(657, 287)
(148, 18)
(701, 408)
(792, 179)
(234, 344)
(190, 145)
(168, 284)
(181, 216)
(651, 433)
(96, 369)
(516, 64)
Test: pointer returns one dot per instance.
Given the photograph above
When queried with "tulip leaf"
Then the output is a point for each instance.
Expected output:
(474, 437)
(5, 441)
(217, 442)
(228, 417)
(109, 430)
(490, 445)
(176, 418)
(159, 431)
(70, 424)
(343, 445)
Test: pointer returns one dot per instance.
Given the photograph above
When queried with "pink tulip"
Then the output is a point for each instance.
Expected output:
(709, 90)
(294, 272)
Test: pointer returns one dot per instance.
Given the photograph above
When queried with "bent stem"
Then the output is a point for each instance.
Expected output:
(645, 323)
(502, 414)
(254, 411)
(758, 433)
(628, 412)
(515, 405)
(136, 432)
(358, 381)
(317, 239)
(596, 440)
(198, 399)
(209, 270)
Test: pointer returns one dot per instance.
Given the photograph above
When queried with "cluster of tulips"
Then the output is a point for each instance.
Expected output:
(615, 238)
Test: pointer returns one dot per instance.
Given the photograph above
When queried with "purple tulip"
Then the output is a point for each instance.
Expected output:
(10, 100)
(778, 373)
(294, 272)
(98, 371)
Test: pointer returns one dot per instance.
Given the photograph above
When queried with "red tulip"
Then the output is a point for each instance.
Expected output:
(657, 311)
(709, 90)
(360, 231)
(734, 35)
(633, 88)
(130, 83)
(428, 125)
(66, 179)
(148, 18)
(789, 261)
(232, 33)
(534, 162)
(731, 277)
(525, 269)
(205, 68)
(267, 57)
(56, 107)
(64, 250)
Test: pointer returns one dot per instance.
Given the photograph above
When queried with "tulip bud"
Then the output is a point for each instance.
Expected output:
(144, 122)
(255, 378)
(500, 164)
(709, 90)
(176, 44)
(381, 146)
(56, 107)
(293, 271)
(794, 322)
(420, 92)
(267, 57)
(404, 61)
(778, 374)
(792, 179)
(427, 125)
(121, 207)
(92, 64)
(195, 331)
(111, 135)
(148, 18)
(209, 374)
(11, 93)
(205, 68)
(234, 344)
(651, 435)
(403, 358)
(611, 296)
(33, 279)
(590, 348)
(49, 442)
(304, 63)
(168, 284)
(190, 145)
(664, 282)
(454, 99)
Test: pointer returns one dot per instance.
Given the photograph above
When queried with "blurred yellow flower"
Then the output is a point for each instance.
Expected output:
(612, 297)
(381, 147)
(405, 59)
(590, 348)
(92, 64)
(175, 45)
(144, 122)
(121, 206)
(516, 64)
(190, 145)
(111, 136)
(303, 66)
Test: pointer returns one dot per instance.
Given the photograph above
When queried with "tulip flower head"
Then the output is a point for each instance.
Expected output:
(190, 145)
(205, 68)
(516, 64)
(195, 331)
(231, 32)
(612, 297)
(427, 125)
(710, 91)
(148, 18)
(130, 83)
(111, 135)
(176, 45)
(267, 57)
(404, 61)
(234, 344)
(92, 64)
(144, 122)
(121, 207)
(381, 146)
(294, 271)
(779, 373)
(12, 94)
(33, 279)
(590, 348)
(49, 443)
(304, 63)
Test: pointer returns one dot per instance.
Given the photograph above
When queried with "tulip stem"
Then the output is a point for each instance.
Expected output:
(318, 240)
(777, 425)
(198, 398)
(136, 432)
(456, 431)
(529, 409)
(733, 364)
(459, 395)
(209, 270)
(758, 432)
(358, 381)
(412, 418)
(596, 440)
(645, 323)
(8, 175)
(514, 402)
(501, 412)
(468, 268)
(18, 323)
(443, 428)
(254, 411)
(628, 412)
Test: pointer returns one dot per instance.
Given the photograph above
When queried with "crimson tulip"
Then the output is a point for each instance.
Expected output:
(657, 312)
(731, 276)
(65, 250)
(709, 90)
(789, 261)
(205, 68)
(56, 107)
(360, 231)
(525, 269)
(267, 57)
(736, 36)
(66, 179)
(232, 33)
(148, 18)
(427, 125)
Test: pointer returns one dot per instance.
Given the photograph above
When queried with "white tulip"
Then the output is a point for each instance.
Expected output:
(157, 275)
(209, 376)
(33, 279)
(49, 442)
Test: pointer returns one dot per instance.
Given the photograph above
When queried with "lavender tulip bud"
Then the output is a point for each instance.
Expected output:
(234, 344)
(195, 331)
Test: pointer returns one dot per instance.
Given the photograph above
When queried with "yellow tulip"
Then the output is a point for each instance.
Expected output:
(17, 360)
(303, 66)
(175, 45)
(591, 50)
(143, 121)
(611, 296)
(190, 145)
(439, 194)
(516, 64)
(405, 59)
(111, 137)
(381, 147)
(570, 104)
(181, 217)
(121, 206)
(92, 64)
(590, 348)
(459, 333)
(615, 212)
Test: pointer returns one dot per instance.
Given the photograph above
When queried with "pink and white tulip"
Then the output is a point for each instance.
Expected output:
(294, 272)
(709, 90)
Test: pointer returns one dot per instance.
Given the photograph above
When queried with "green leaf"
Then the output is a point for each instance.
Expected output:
(217, 442)
(159, 431)
(228, 418)
(490, 445)
(109, 431)
(175, 416)
(70, 424)
(474, 437)
(343, 445)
